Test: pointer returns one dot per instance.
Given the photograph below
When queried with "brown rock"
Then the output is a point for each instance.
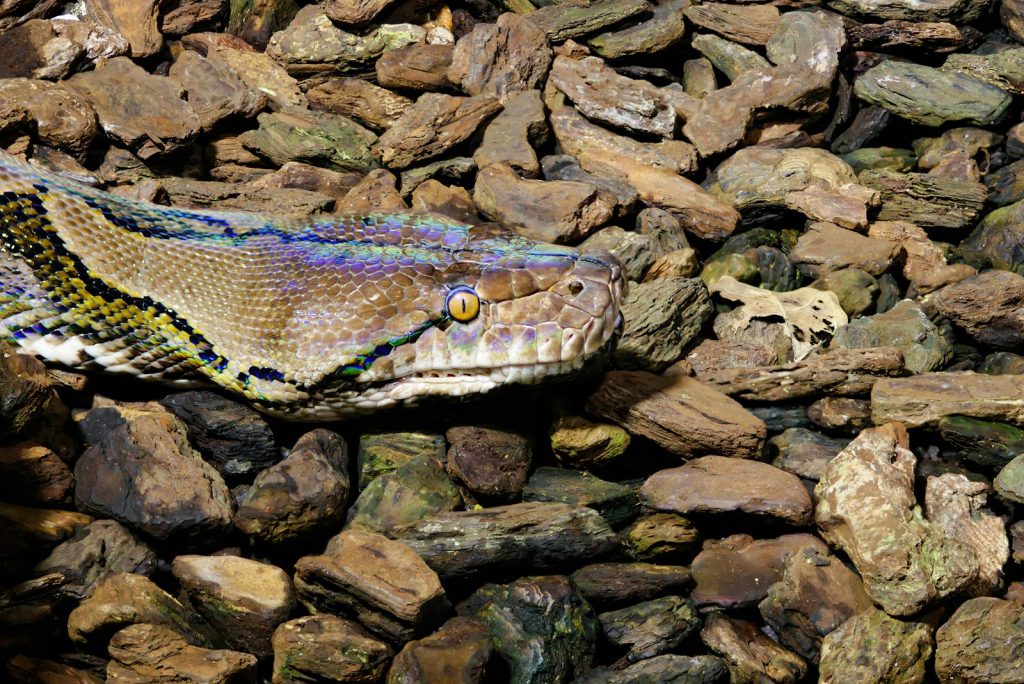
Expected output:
(26, 670)
(29, 406)
(751, 654)
(511, 137)
(432, 126)
(578, 18)
(866, 507)
(451, 201)
(327, 648)
(242, 599)
(827, 247)
(650, 628)
(988, 306)
(713, 484)
(142, 111)
(845, 414)
(665, 537)
(457, 653)
(499, 59)
(747, 24)
(561, 212)
(923, 263)
(375, 107)
(981, 642)
(317, 138)
(377, 191)
(738, 571)
(926, 200)
(136, 20)
(380, 582)
(721, 355)
(215, 91)
(34, 50)
(178, 17)
(355, 12)
(416, 67)
(336, 184)
(602, 95)
(490, 463)
(62, 118)
(681, 415)
(186, 192)
(33, 474)
(926, 399)
(152, 653)
(616, 584)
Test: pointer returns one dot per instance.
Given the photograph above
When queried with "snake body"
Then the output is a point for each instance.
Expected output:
(307, 319)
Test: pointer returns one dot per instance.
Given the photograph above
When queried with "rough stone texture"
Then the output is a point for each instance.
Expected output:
(317, 138)
(243, 600)
(155, 653)
(752, 656)
(499, 59)
(681, 415)
(413, 492)
(673, 668)
(906, 327)
(327, 648)
(510, 138)
(998, 240)
(926, 399)
(927, 200)
(826, 247)
(541, 626)
(714, 484)
(566, 167)
(620, 584)
(923, 263)
(842, 414)
(142, 111)
(380, 582)
(33, 474)
(579, 443)
(457, 653)
(981, 642)
(136, 21)
(663, 317)
(616, 502)
(372, 106)
(385, 451)
(650, 628)
(804, 452)
(909, 10)
(866, 507)
(432, 126)
(215, 92)
(732, 59)
(416, 67)
(303, 495)
(660, 537)
(988, 306)
(747, 24)
(664, 28)
(899, 651)
(578, 17)
(490, 462)
(62, 118)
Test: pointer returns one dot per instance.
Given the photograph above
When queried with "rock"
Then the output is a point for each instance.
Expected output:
(242, 599)
(699, 77)
(926, 200)
(856, 289)
(617, 584)
(541, 627)
(29, 405)
(34, 50)
(663, 317)
(413, 492)
(988, 444)
(732, 59)
(866, 507)
(574, 19)
(752, 656)
(826, 247)
(666, 668)
(906, 327)
(634, 251)
(457, 653)
(299, 176)
(578, 443)
(416, 67)
(844, 414)
(712, 355)
(25, 670)
(604, 96)
(987, 306)
(150, 653)
(816, 594)
(567, 168)
(144, 112)
(810, 39)
(301, 496)
(61, 117)
(377, 191)
(136, 21)
(38, 528)
(180, 17)
(121, 599)
(933, 10)
(185, 192)
(997, 241)
(459, 170)
(316, 138)
(738, 571)
(215, 92)
(956, 505)
(873, 648)
(660, 537)
(750, 25)
(372, 106)
(510, 138)
(681, 415)
(650, 628)
(663, 29)
(681, 263)
(615, 502)
(97, 550)
(432, 126)
(383, 452)
(981, 642)
(499, 59)
(926, 399)
(327, 648)
(713, 484)
(378, 581)
(33, 474)
(232, 437)
(1002, 363)
(355, 12)
(506, 538)
(924, 264)
(491, 463)
(931, 97)
(253, 21)
(141, 471)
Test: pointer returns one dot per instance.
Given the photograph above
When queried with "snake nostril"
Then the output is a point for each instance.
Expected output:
(575, 287)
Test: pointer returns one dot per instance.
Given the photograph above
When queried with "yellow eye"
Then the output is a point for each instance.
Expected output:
(463, 304)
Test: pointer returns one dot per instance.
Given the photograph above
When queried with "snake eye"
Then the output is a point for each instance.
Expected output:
(463, 304)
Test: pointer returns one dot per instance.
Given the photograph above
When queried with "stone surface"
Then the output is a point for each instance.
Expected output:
(327, 648)
(987, 306)
(215, 92)
(750, 25)
(924, 264)
(899, 651)
(62, 118)
(372, 106)
(490, 462)
(660, 537)
(981, 642)
(926, 399)
(136, 21)
(416, 67)
(662, 318)
(502, 58)
(616, 502)
(906, 327)
(153, 653)
(579, 443)
(826, 247)
(609, 585)
(752, 656)
(432, 126)
(804, 452)
(572, 19)
(664, 28)
(312, 137)
(511, 137)
(998, 240)
(926, 200)
(456, 653)
(650, 628)
(412, 492)
(34, 474)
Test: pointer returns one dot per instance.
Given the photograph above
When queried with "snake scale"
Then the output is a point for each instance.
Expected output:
(312, 319)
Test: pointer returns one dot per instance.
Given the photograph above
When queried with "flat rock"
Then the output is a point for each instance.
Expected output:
(415, 67)
(729, 57)
(457, 653)
(609, 585)
(538, 535)
(566, 167)
(355, 12)
(499, 59)
(301, 496)
(811, 39)
(662, 319)
(928, 398)
(377, 191)
(34, 50)
(151, 653)
(681, 415)
(577, 18)
(141, 471)
(579, 443)
(541, 626)
(826, 247)
(988, 306)
(650, 628)
(62, 118)
(873, 648)
(702, 669)
(926, 200)
(180, 17)
(299, 176)
(665, 537)
(372, 106)
(803, 452)
(617, 503)
(911, 10)
(432, 126)
(905, 327)
(197, 194)
(385, 451)
(215, 91)
(317, 138)
(413, 492)
(378, 581)
(866, 507)
(841, 414)
(142, 111)
(561, 212)
(998, 241)
(243, 600)
(981, 642)
(491, 463)
(327, 648)
(923, 263)
(664, 28)
(714, 484)
(136, 20)
(747, 24)
(511, 136)
(752, 655)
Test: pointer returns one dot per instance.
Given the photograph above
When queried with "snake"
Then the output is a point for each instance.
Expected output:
(315, 318)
